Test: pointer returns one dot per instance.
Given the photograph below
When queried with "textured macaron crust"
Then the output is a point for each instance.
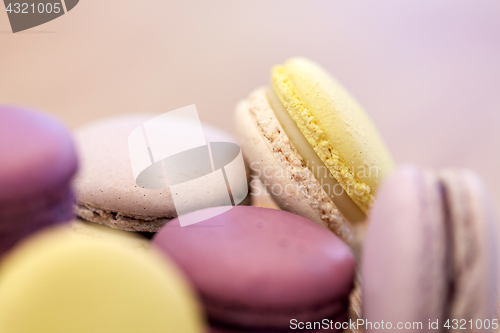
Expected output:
(106, 188)
(38, 162)
(431, 251)
(336, 126)
(258, 268)
(58, 282)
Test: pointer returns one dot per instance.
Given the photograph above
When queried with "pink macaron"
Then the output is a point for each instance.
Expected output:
(262, 269)
(38, 161)
(430, 260)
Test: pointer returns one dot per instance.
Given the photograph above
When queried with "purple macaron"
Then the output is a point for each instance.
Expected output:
(261, 269)
(37, 163)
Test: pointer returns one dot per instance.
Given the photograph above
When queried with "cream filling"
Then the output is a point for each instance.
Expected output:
(330, 185)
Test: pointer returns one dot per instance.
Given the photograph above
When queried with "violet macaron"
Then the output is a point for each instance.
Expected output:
(431, 254)
(38, 162)
(261, 269)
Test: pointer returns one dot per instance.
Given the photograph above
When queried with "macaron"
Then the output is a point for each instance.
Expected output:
(38, 162)
(314, 147)
(107, 192)
(431, 254)
(57, 282)
(259, 269)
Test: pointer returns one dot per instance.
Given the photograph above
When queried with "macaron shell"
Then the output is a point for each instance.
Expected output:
(106, 188)
(37, 154)
(474, 262)
(261, 158)
(275, 161)
(105, 182)
(340, 319)
(37, 163)
(431, 251)
(252, 317)
(58, 283)
(336, 126)
(403, 269)
(257, 267)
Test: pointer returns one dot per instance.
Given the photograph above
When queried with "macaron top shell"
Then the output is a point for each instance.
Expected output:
(261, 258)
(336, 126)
(106, 181)
(36, 151)
(58, 282)
(404, 255)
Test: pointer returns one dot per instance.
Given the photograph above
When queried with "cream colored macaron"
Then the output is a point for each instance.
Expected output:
(314, 148)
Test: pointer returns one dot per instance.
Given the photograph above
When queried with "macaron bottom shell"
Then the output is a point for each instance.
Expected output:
(272, 319)
(330, 185)
(332, 324)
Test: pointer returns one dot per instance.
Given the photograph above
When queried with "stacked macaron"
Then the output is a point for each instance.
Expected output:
(430, 254)
(76, 277)
(314, 148)
(252, 268)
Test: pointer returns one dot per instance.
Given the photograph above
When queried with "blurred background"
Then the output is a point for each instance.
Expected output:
(427, 71)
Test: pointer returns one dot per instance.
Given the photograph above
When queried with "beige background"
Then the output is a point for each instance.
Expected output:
(428, 72)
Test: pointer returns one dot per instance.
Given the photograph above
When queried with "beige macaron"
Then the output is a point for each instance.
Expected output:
(107, 192)
(272, 158)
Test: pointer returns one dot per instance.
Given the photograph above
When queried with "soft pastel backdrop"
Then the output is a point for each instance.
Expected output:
(427, 71)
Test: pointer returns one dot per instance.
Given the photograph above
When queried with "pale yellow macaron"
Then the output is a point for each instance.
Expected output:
(59, 282)
(314, 147)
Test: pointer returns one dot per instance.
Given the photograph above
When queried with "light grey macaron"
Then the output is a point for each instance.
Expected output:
(107, 192)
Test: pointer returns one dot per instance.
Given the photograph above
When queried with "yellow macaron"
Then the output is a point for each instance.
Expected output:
(59, 282)
(336, 127)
